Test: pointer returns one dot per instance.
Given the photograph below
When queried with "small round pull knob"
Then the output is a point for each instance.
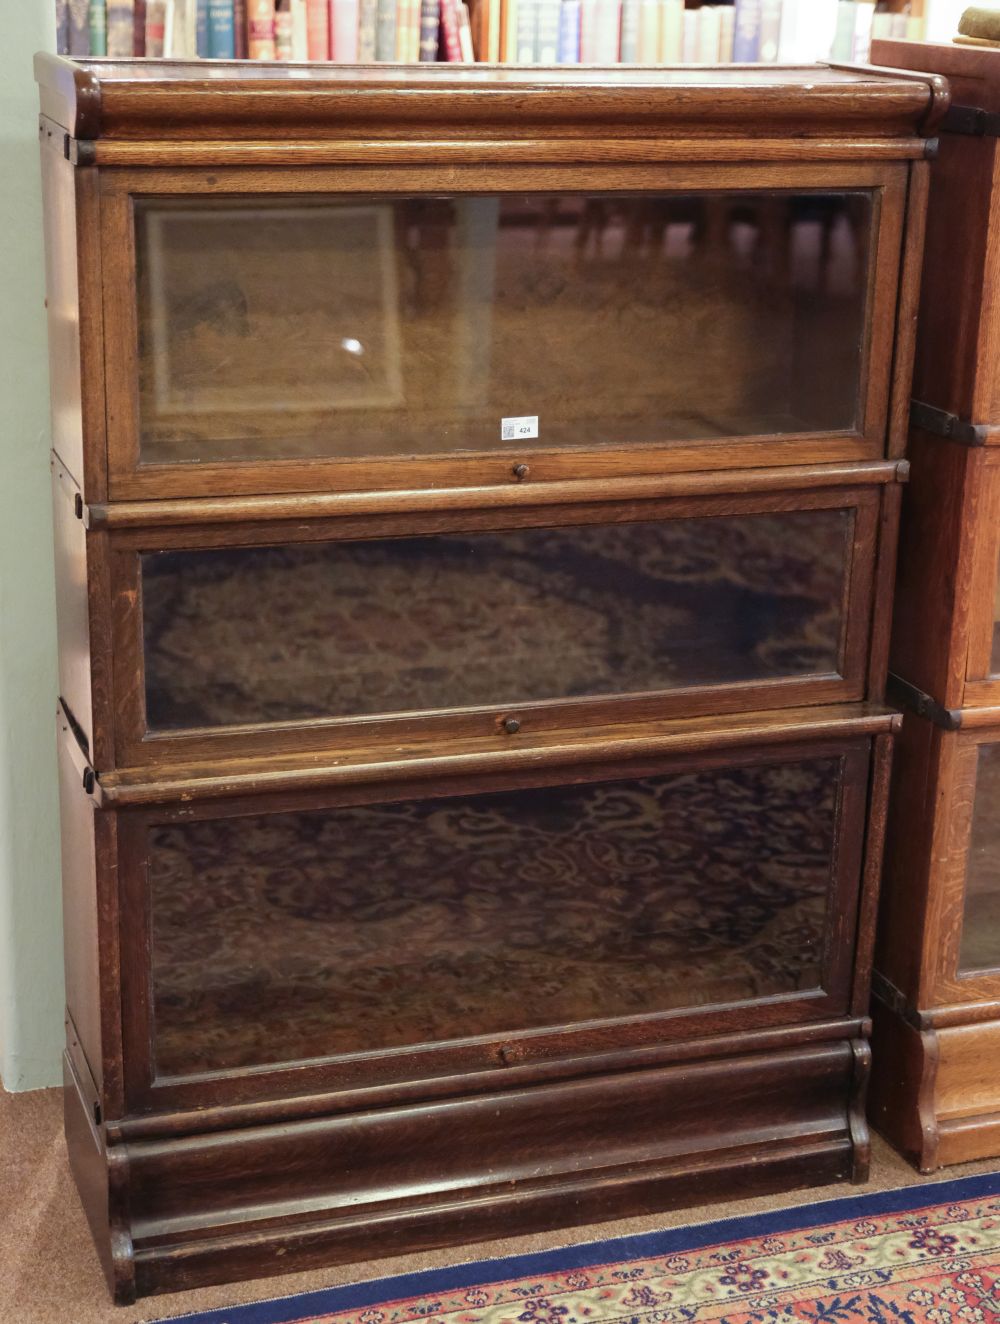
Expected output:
(511, 725)
(520, 471)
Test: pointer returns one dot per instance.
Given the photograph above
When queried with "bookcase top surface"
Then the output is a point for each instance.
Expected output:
(174, 100)
(975, 70)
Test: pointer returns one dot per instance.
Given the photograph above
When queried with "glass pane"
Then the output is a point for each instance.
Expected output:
(995, 651)
(296, 935)
(337, 629)
(302, 327)
(980, 948)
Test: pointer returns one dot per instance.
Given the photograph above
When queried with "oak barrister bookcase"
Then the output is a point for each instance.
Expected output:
(937, 1010)
(476, 498)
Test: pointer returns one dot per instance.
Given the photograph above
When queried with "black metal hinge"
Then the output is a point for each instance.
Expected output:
(908, 696)
(972, 121)
(942, 424)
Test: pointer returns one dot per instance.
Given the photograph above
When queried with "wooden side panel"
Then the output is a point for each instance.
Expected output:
(93, 1179)
(62, 302)
(968, 1082)
(905, 877)
(80, 923)
(931, 625)
(72, 617)
(950, 343)
(901, 1098)
(269, 1200)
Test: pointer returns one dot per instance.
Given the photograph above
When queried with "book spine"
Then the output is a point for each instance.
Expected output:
(569, 32)
(121, 15)
(155, 30)
(385, 31)
(629, 48)
(97, 27)
(727, 34)
(449, 32)
(465, 33)
(508, 32)
(282, 29)
(62, 27)
(318, 29)
(79, 28)
(300, 31)
(260, 30)
(547, 51)
(709, 29)
(201, 29)
(493, 21)
(138, 28)
(413, 31)
(863, 32)
(650, 19)
(608, 35)
(527, 28)
(221, 35)
(817, 29)
(691, 33)
(671, 31)
(746, 36)
(344, 18)
(588, 31)
(367, 30)
(770, 31)
(430, 30)
(240, 33)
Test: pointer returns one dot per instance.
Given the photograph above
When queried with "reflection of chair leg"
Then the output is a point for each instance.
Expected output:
(546, 222)
(715, 224)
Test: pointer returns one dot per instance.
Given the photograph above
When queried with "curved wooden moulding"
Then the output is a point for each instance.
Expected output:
(186, 1210)
(165, 102)
(936, 1095)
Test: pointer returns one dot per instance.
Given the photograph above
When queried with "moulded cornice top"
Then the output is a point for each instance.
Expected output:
(169, 101)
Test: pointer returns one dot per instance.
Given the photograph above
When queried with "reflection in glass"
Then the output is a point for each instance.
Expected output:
(296, 935)
(327, 327)
(980, 948)
(333, 629)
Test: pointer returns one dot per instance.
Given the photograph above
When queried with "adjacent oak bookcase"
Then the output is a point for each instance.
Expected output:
(476, 498)
(936, 1089)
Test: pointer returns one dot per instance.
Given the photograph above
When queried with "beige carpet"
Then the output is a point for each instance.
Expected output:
(49, 1273)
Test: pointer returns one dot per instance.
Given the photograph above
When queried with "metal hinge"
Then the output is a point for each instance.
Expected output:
(908, 696)
(942, 424)
(972, 121)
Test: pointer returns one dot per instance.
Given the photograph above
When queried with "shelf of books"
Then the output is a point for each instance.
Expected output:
(498, 31)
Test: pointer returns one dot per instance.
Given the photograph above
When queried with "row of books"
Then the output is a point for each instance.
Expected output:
(509, 31)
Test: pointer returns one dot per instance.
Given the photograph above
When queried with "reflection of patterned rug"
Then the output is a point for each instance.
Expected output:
(929, 1254)
(285, 633)
(294, 935)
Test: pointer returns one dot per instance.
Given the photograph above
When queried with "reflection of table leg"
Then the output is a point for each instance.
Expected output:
(476, 225)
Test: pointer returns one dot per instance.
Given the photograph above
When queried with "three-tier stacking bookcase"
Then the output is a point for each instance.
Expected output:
(476, 497)
(937, 1008)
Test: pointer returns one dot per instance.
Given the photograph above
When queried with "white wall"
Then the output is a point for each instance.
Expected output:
(31, 995)
(943, 16)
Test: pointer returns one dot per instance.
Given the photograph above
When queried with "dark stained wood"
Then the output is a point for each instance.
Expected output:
(936, 1088)
(786, 1111)
(297, 772)
(195, 1166)
(318, 505)
(132, 479)
(862, 612)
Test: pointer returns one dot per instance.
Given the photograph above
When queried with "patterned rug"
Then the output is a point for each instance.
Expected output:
(929, 1254)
